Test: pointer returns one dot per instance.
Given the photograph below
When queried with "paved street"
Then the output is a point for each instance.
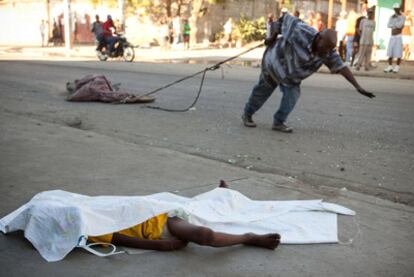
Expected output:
(341, 138)
(345, 148)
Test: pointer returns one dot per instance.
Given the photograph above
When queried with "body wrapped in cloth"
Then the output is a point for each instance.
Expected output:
(55, 221)
(97, 88)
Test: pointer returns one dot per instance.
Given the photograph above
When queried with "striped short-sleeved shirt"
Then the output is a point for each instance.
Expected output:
(290, 59)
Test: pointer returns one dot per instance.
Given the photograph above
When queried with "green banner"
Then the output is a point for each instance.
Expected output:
(388, 3)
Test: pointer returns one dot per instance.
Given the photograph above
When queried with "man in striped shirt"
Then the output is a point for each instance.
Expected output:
(294, 52)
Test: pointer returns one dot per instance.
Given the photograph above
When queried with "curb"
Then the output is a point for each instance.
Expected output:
(405, 75)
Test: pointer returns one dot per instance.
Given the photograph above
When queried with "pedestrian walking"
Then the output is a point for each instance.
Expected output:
(288, 60)
(340, 28)
(176, 23)
(186, 34)
(366, 28)
(56, 37)
(356, 40)
(318, 23)
(42, 29)
(395, 45)
(61, 29)
(228, 28)
(164, 35)
(75, 28)
(350, 32)
(97, 29)
(171, 33)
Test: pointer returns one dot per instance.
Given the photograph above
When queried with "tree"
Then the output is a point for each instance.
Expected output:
(198, 9)
(110, 3)
(195, 15)
(156, 11)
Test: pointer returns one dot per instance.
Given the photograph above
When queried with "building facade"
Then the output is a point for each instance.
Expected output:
(22, 18)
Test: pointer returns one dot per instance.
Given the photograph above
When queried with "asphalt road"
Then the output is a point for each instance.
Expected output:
(130, 150)
(340, 138)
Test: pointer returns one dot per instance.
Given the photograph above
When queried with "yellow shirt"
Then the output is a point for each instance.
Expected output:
(150, 229)
(351, 21)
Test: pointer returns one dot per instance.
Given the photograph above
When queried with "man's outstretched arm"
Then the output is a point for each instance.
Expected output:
(350, 77)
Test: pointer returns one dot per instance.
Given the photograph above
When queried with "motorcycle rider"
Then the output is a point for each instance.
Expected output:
(110, 39)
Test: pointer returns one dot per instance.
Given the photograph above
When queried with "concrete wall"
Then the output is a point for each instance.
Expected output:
(218, 14)
(22, 18)
(20, 24)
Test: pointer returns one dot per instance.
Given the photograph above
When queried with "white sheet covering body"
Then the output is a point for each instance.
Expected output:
(54, 221)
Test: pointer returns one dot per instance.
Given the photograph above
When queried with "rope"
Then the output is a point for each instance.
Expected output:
(203, 72)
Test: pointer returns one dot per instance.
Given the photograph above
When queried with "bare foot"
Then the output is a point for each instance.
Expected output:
(223, 184)
(269, 241)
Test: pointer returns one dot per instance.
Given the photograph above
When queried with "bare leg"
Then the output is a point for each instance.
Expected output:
(205, 236)
(398, 61)
(223, 184)
(355, 51)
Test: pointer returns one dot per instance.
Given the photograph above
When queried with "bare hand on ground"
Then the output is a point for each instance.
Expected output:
(366, 93)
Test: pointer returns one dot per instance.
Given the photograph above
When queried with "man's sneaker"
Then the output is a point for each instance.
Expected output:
(396, 69)
(248, 121)
(282, 128)
(388, 69)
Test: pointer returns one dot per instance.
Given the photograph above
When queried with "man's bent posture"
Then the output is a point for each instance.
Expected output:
(297, 53)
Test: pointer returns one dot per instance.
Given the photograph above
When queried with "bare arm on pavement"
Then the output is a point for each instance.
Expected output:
(350, 77)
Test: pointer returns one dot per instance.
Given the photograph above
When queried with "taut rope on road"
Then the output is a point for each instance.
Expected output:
(203, 72)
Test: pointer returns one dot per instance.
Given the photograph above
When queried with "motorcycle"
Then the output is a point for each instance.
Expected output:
(122, 48)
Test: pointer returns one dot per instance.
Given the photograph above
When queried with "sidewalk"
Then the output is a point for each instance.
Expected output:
(37, 155)
(207, 56)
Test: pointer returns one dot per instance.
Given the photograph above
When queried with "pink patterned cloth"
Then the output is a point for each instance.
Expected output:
(98, 88)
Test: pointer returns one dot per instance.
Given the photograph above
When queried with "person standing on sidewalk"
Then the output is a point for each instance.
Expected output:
(97, 29)
(350, 32)
(318, 23)
(186, 34)
(356, 40)
(176, 23)
(164, 35)
(395, 46)
(42, 28)
(340, 28)
(298, 53)
(366, 28)
(228, 28)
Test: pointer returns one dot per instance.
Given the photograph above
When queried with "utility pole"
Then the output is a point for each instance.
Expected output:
(344, 5)
(68, 25)
(330, 13)
(49, 22)
(121, 7)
